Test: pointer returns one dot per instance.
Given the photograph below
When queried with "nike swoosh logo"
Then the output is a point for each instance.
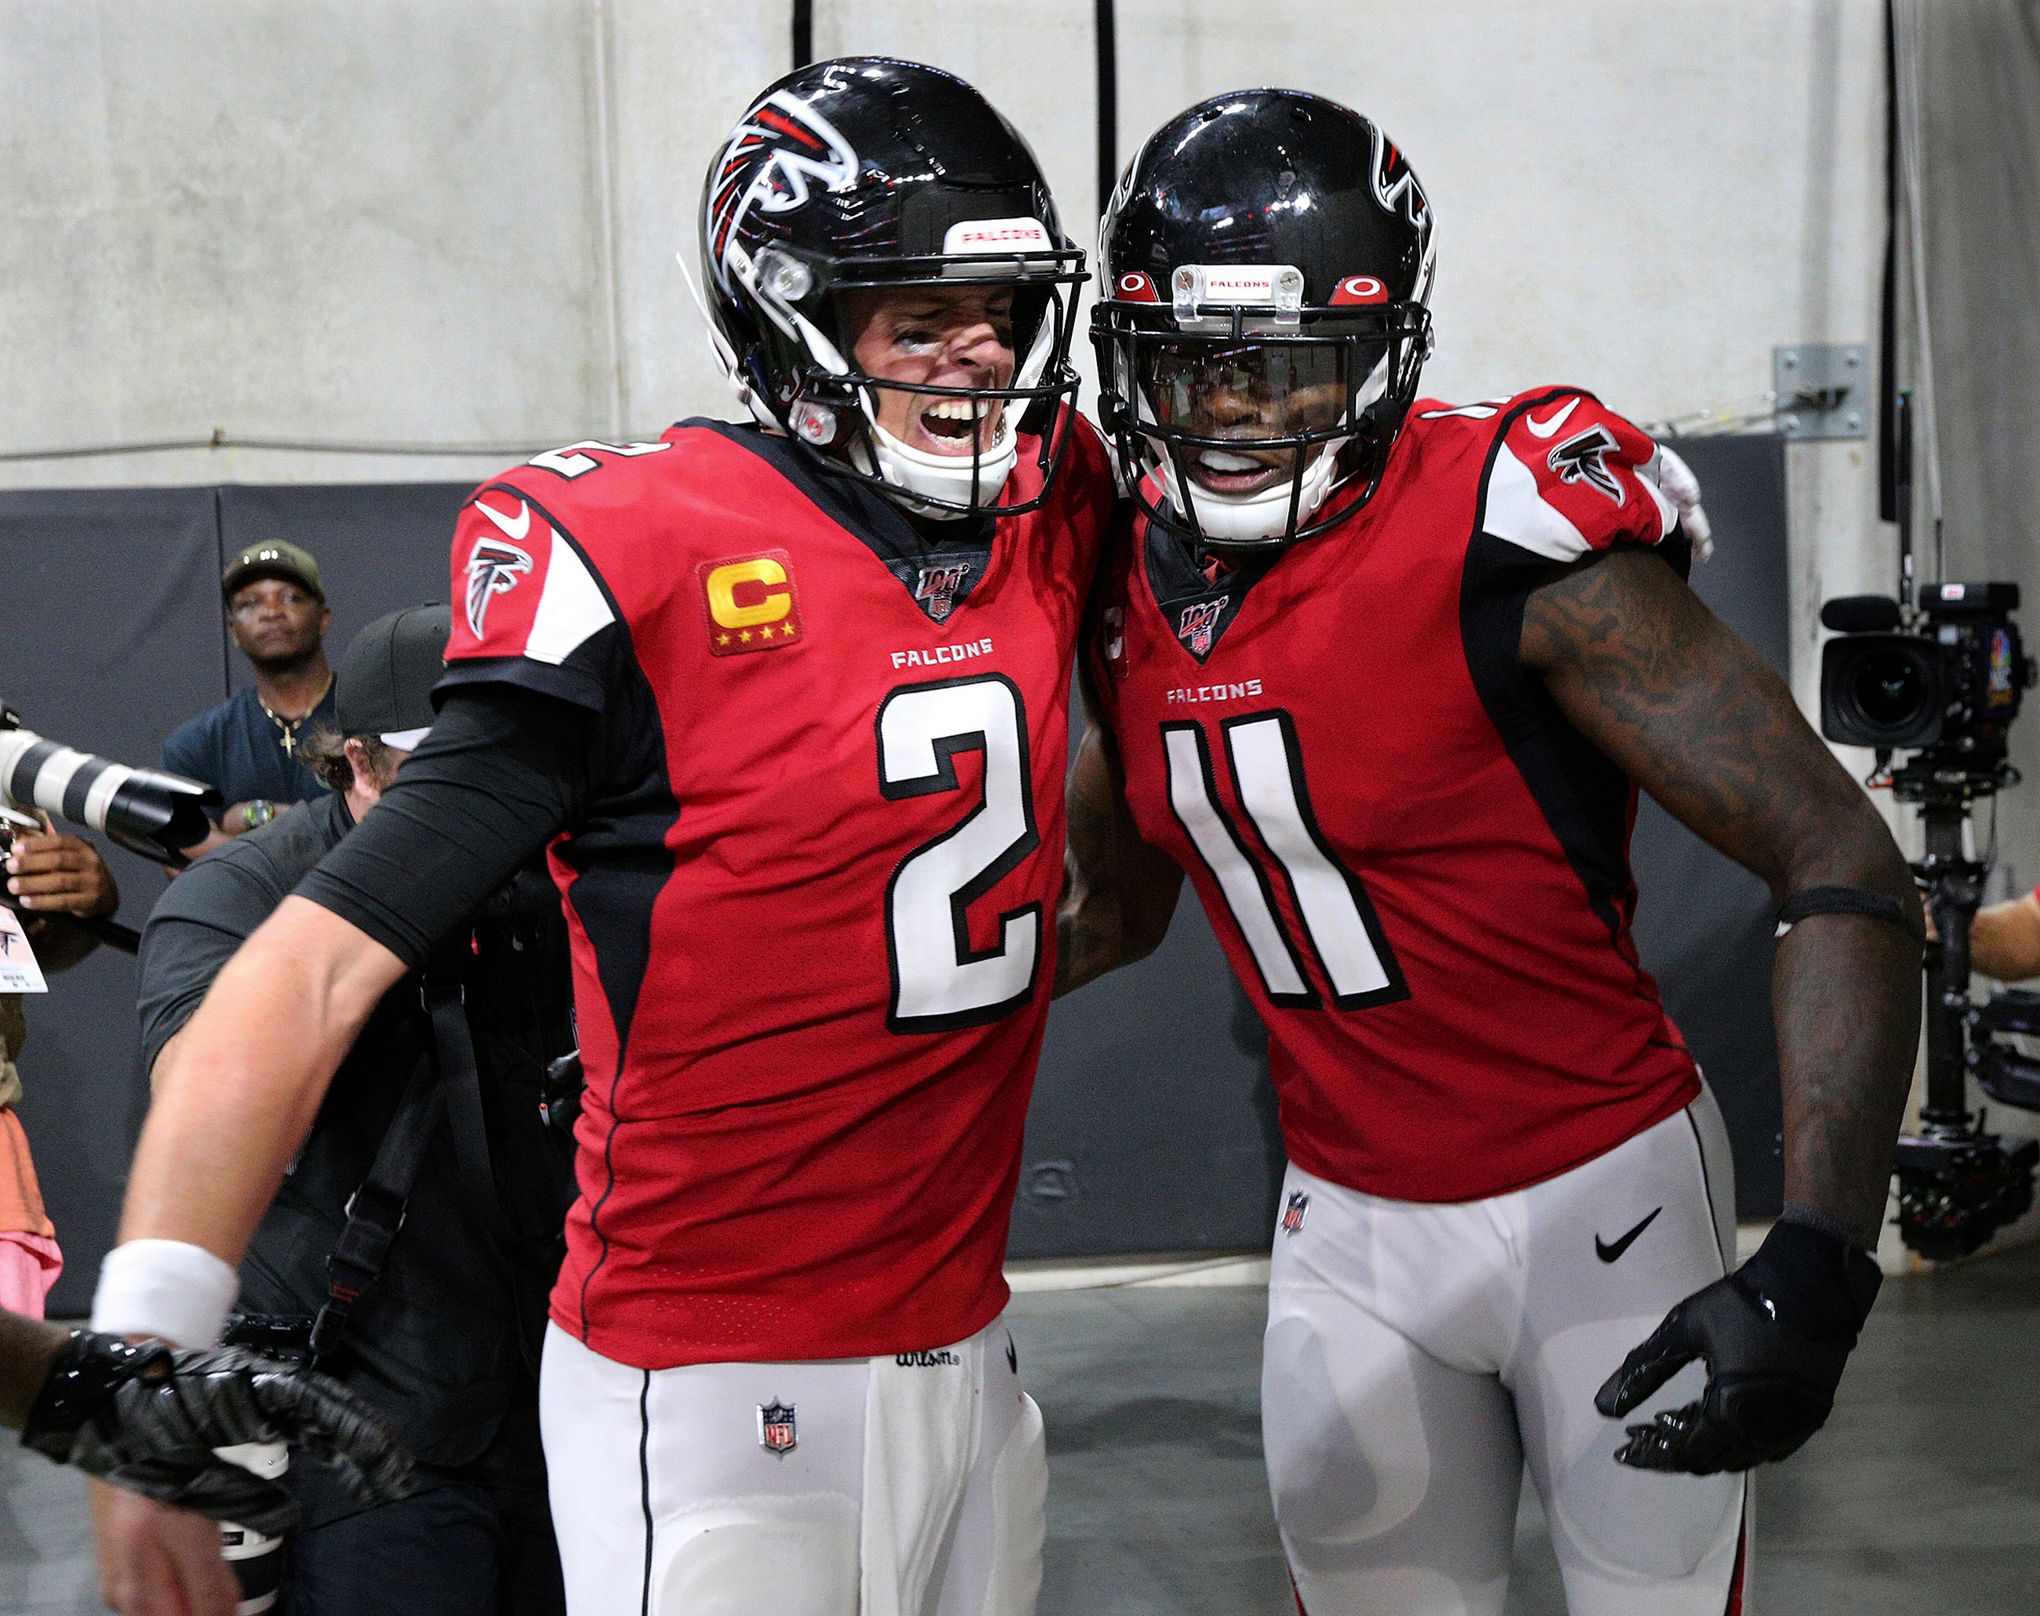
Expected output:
(514, 528)
(1549, 427)
(1608, 1253)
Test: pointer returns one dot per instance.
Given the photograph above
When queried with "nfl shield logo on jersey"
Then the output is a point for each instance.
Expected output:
(936, 588)
(1199, 623)
(776, 1433)
(1293, 1213)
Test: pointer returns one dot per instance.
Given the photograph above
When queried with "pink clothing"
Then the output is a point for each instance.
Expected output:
(29, 1265)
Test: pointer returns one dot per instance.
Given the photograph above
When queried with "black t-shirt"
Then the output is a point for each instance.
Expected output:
(435, 1343)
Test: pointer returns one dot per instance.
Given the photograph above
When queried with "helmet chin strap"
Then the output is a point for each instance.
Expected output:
(947, 477)
(1245, 518)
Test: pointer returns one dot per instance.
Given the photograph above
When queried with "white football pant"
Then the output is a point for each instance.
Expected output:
(908, 1486)
(1418, 1356)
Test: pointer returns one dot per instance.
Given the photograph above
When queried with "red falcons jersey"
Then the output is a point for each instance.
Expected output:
(811, 890)
(1418, 868)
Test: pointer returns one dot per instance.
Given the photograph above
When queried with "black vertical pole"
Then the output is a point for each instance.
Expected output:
(1890, 474)
(803, 32)
(1108, 103)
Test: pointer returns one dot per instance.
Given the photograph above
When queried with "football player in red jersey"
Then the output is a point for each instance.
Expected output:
(1383, 676)
(787, 703)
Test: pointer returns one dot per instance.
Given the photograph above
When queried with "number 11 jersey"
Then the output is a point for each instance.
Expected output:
(811, 892)
(1417, 867)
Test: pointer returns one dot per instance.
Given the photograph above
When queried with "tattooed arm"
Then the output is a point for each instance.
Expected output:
(1697, 719)
(1118, 890)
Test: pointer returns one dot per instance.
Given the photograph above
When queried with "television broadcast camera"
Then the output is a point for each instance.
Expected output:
(1942, 683)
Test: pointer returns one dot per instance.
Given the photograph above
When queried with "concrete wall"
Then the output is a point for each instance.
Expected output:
(454, 223)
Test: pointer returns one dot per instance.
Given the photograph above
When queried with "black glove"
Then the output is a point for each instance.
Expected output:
(147, 1418)
(1774, 1335)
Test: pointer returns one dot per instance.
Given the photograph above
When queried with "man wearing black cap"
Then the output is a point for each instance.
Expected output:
(442, 1339)
(250, 745)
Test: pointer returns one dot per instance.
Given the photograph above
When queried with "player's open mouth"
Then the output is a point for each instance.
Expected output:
(1224, 472)
(956, 426)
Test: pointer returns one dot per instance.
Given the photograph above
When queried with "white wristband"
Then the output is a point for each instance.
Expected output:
(169, 1289)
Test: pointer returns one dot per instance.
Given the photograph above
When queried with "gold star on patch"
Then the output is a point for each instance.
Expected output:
(722, 639)
(744, 634)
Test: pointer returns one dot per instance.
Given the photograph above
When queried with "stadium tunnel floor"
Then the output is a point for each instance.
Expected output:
(1923, 1494)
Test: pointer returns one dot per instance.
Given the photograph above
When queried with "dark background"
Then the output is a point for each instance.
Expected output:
(1152, 1129)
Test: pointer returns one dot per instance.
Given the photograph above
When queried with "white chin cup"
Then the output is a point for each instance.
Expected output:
(1244, 518)
(947, 477)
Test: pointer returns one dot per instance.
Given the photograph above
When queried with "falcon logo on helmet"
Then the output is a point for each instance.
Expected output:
(1395, 184)
(493, 568)
(1583, 458)
(779, 148)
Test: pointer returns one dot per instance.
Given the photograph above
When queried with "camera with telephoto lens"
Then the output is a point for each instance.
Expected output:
(1941, 683)
(144, 810)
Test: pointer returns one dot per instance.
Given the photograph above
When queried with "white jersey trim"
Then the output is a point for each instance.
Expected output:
(1512, 509)
(570, 612)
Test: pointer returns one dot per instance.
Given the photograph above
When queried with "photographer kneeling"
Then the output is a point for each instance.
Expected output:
(432, 1127)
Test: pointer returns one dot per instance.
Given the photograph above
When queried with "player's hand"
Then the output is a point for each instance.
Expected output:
(1675, 480)
(147, 1418)
(51, 872)
(159, 1561)
(1774, 1336)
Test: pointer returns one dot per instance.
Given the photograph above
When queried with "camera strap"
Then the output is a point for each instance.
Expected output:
(1850, 901)
(375, 1211)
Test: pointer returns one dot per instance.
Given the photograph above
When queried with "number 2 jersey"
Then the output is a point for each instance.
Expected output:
(1417, 867)
(811, 889)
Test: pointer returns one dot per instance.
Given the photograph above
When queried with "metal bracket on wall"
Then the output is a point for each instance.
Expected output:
(1822, 389)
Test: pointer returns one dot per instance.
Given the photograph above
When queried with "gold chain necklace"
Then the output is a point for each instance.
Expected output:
(287, 728)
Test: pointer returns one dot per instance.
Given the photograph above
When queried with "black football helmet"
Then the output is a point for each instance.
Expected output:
(869, 173)
(1266, 259)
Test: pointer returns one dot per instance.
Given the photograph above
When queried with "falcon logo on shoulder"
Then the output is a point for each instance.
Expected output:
(1583, 458)
(494, 567)
(782, 148)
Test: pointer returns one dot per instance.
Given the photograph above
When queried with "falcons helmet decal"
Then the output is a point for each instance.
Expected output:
(781, 147)
(1395, 184)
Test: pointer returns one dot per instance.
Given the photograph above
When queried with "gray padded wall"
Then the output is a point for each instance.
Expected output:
(110, 636)
(1152, 1129)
